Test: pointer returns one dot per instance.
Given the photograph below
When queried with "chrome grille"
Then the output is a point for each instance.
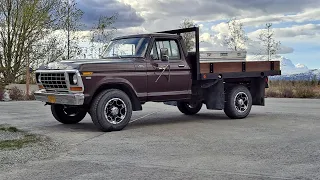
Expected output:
(54, 81)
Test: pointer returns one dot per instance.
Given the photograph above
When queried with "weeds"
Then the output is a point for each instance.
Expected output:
(16, 94)
(9, 129)
(18, 143)
(293, 89)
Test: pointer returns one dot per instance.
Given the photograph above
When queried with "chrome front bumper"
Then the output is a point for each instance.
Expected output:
(55, 98)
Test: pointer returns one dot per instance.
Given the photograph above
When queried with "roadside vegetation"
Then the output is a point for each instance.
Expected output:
(17, 94)
(12, 138)
(293, 89)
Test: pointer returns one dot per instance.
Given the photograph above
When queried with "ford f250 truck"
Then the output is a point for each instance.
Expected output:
(154, 67)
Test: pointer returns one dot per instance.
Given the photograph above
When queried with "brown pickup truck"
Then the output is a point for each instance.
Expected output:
(152, 67)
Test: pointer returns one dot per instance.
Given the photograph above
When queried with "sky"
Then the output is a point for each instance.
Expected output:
(296, 23)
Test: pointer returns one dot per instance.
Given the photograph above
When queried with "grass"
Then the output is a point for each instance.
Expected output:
(9, 129)
(18, 143)
(293, 89)
(14, 144)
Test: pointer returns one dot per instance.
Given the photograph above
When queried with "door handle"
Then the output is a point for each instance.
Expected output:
(181, 65)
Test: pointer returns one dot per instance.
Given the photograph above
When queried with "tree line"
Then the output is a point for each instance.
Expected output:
(33, 32)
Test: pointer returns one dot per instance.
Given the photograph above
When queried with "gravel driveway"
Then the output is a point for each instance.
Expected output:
(279, 141)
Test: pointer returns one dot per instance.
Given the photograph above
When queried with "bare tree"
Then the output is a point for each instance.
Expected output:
(236, 38)
(270, 46)
(69, 22)
(188, 38)
(22, 24)
(102, 32)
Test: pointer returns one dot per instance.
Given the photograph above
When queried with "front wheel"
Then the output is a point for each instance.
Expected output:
(111, 110)
(238, 102)
(188, 108)
(68, 114)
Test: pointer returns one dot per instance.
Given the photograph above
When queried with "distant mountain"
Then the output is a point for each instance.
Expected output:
(288, 68)
(305, 76)
(298, 72)
(289, 71)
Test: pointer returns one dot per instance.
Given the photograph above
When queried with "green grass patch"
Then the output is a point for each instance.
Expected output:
(18, 143)
(9, 129)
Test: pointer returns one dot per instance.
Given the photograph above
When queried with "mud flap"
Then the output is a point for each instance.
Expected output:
(214, 96)
(257, 89)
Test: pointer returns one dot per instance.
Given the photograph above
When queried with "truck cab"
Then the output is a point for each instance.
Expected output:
(150, 67)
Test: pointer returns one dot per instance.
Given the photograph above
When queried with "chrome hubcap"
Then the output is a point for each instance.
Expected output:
(241, 102)
(115, 111)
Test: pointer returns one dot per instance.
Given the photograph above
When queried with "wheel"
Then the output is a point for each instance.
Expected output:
(111, 110)
(189, 108)
(68, 114)
(238, 102)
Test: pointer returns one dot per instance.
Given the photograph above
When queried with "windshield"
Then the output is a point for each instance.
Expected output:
(130, 47)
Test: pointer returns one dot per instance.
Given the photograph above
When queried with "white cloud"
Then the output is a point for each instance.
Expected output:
(307, 33)
(293, 31)
(220, 28)
(306, 15)
(167, 14)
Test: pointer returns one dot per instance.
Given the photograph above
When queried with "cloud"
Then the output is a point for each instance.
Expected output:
(305, 16)
(306, 32)
(212, 10)
(93, 9)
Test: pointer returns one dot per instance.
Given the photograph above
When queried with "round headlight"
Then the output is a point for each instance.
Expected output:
(75, 79)
(39, 78)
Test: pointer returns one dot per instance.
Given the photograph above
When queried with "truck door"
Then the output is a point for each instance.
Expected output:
(168, 80)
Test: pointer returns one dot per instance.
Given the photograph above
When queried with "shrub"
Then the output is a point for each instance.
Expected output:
(286, 92)
(30, 97)
(1, 94)
(271, 93)
(16, 94)
(305, 92)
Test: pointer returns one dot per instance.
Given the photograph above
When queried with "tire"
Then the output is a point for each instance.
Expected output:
(67, 115)
(188, 109)
(238, 109)
(111, 110)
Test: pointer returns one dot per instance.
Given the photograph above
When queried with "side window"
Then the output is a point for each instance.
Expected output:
(171, 45)
(154, 52)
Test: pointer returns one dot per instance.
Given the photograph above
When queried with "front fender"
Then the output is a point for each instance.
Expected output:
(109, 83)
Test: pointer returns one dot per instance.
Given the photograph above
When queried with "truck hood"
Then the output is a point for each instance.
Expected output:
(75, 64)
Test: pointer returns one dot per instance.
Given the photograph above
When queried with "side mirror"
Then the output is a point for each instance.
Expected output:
(164, 53)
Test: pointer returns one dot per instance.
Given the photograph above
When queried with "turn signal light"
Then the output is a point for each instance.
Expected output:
(40, 87)
(87, 73)
(76, 88)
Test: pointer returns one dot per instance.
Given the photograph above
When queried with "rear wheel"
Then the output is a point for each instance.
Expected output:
(68, 114)
(189, 108)
(238, 102)
(111, 110)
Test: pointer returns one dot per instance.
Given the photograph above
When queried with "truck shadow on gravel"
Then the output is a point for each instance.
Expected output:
(83, 127)
(179, 119)
(88, 126)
